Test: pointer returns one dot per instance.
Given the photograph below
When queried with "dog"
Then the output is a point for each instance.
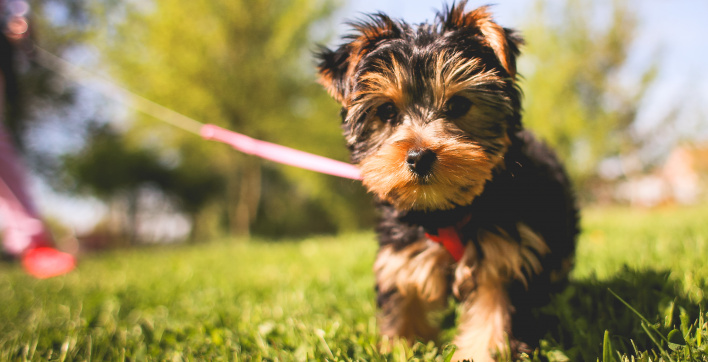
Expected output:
(471, 204)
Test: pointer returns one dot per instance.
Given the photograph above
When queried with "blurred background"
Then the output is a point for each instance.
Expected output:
(618, 87)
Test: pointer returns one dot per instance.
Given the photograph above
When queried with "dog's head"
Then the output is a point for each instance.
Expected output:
(427, 110)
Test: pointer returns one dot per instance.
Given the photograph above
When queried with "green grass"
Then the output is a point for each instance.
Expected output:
(313, 299)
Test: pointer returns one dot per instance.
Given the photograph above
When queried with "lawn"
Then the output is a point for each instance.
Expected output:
(313, 299)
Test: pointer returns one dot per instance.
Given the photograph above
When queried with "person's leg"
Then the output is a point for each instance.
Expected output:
(25, 234)
(23, 227)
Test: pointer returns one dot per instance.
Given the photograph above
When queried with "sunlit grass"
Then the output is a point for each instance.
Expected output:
(314, 299)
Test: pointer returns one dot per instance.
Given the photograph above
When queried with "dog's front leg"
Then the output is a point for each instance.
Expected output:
(481, 281)
(484, 324)
(411, 282)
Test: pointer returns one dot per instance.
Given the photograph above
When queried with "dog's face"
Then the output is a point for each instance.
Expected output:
(426, 110)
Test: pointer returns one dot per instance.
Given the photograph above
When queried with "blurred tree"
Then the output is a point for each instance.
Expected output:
(39, 90)
(114, 171)
(577, 95)
(244, 65)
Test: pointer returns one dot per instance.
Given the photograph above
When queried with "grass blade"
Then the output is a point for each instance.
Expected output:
(663, 352)
(607, 348)
(646, 321)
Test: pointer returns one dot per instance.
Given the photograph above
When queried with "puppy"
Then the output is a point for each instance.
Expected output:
(471, 204)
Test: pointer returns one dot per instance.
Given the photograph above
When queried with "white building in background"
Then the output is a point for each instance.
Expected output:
(677, 181)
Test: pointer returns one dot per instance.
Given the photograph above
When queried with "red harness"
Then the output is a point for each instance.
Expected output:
(449, 238)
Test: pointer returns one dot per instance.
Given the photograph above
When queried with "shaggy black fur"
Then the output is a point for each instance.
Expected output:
(533, 189)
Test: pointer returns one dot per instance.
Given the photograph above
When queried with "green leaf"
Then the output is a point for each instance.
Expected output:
(676, 340)
(676, 337)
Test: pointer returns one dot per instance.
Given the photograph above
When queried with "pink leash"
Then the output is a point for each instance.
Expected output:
(448, 237)
(238, 141)
(280, 154)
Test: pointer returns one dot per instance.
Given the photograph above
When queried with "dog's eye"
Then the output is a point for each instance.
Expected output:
(457, 107)
(387, 112)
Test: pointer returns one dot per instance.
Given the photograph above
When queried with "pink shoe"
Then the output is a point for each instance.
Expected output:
(45, 262)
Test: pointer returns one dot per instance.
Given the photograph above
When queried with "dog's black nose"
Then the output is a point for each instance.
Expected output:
(420, 160)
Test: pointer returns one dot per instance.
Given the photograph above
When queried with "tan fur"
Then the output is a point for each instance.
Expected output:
(462, 167)
(485, 321)
(494, 34)
(485, 324)
(458, 176)
(386, 84)
(357, 50)
(455, 73)
(326, 79)
(419, 273)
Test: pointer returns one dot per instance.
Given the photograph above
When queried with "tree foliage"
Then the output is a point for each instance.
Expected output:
(577, 95)
(246, 66)
(114, 171)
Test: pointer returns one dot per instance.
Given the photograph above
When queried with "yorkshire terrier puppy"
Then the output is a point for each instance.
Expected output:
(471, 204)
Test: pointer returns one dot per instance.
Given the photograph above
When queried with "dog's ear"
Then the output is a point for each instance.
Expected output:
(333, 68)
(337, 67)
(503, 41)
